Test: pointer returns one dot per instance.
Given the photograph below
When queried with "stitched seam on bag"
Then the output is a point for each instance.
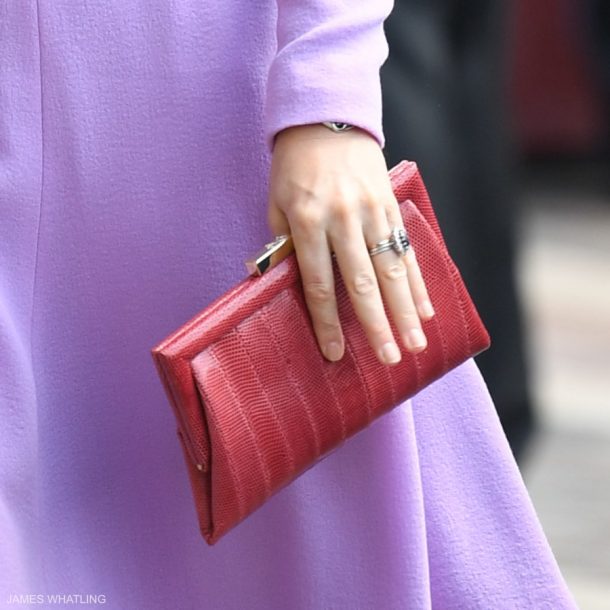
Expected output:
(392, 385)
(454, 284)
(236, 480)
(446, 262)
(289, 450)
(369, 401)
(211, 421)
(329, 385)
(199, 496)
(417, 364)
(337, 403)
(242, 412)
(238, 402)
(444, 346)
(454, 276)
(295, 384)
(182, 418)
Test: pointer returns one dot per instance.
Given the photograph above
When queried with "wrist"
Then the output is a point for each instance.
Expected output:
(320, 131)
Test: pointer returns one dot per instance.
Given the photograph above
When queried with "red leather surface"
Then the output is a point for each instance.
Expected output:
(255, 401)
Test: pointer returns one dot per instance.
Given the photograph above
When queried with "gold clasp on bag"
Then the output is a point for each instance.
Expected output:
(270, 255)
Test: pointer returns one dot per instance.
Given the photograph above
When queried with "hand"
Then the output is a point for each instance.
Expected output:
(332, 193)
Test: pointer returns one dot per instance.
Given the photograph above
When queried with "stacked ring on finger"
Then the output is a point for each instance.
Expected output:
(398, 241)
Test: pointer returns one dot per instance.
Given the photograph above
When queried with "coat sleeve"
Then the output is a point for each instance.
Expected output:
(326, 68)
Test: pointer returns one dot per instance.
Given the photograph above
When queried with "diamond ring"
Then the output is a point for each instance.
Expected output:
(398, 241)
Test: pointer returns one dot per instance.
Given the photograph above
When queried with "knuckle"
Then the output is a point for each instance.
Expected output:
(377, 328)
(362, 284)
(307, 218)
(371, 205)
(318, 292)
(343, 210)
(328, 327)
(395, 271)
(409, 317)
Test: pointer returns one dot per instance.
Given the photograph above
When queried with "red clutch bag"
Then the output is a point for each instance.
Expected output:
(255, 401)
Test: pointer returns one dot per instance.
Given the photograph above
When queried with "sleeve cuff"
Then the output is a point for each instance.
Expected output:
(328, 73)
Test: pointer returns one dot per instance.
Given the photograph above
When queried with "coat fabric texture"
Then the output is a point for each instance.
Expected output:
(135, 142)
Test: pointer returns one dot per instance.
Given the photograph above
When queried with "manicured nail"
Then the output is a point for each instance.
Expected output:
(333, 351)
(426, 309)
(416, 339)
(390, 354)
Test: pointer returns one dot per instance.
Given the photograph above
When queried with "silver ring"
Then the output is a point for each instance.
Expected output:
(398, 241)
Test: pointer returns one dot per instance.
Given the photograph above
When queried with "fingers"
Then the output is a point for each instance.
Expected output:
(392, 274)
(315, 266)
(351, 230)
(397, 279)
(370, 281)
(360, 280)
(417, 285)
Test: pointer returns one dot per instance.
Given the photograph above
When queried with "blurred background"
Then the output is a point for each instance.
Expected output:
(505, 106)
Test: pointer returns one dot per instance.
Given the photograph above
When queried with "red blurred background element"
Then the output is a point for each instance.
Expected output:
(558, 101)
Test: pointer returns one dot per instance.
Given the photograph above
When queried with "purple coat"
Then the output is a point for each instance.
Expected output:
(134, 153)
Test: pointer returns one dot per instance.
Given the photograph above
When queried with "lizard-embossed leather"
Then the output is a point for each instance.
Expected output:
(255, 401)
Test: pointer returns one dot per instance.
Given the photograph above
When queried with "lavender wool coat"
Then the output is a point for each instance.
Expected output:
(134, 153)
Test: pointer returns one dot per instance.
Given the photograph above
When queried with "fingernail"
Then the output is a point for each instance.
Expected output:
(426, 309)
(416, 339)
(333, 351)
(390, 354)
